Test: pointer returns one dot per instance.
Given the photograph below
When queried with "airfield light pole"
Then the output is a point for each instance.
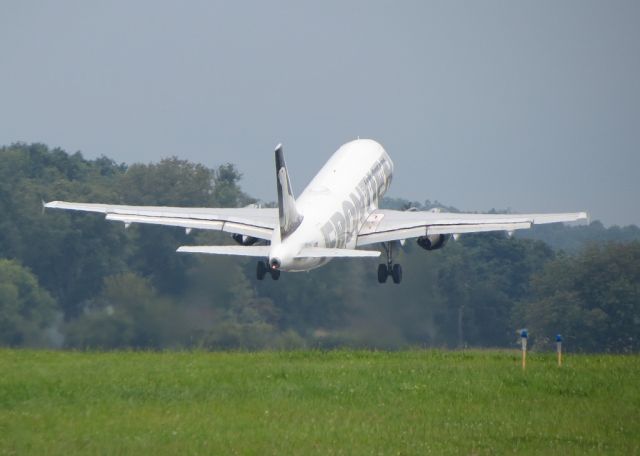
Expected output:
(523, 340)
(559, 349)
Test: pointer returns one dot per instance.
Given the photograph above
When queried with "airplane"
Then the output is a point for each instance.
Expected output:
(334, 217)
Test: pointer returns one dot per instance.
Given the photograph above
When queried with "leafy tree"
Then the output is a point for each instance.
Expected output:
(225, 310)
(227, 191)
(171, 182)
(128, 313)
(26, 310)
(69, 253)
(593, 299)
(481, 279)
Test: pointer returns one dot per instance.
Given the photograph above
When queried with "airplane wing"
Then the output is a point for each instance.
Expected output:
(249, 221)
(389, 225)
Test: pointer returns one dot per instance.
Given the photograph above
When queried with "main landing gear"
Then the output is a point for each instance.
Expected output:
(262, 270)
(389, 269)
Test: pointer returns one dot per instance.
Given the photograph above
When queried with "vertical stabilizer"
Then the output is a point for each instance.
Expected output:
(290, 218)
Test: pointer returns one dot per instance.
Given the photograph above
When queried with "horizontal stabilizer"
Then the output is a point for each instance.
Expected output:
(240, 250)
(319, 252)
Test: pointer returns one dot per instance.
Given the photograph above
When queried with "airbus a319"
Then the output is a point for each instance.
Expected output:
(335, 216)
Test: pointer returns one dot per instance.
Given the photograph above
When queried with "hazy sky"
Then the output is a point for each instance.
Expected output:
(533, 106)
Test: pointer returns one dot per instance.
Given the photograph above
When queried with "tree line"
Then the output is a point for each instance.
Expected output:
(74, 280)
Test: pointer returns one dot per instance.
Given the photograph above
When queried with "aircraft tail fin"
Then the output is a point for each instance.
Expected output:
(290, 218)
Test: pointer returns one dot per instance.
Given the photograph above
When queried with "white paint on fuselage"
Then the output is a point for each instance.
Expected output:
(336, 203)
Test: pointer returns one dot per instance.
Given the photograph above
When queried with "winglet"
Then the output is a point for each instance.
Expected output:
(586, 216)
(290, 218)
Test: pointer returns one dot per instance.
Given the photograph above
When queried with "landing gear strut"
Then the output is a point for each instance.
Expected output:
(389, 269)
(262, 270)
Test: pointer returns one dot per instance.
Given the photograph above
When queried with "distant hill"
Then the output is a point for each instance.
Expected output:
(573, 238)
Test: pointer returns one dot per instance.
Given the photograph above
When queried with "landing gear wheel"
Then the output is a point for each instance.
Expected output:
(275, 274)
(383, 273)
(261, 270)
(389, 269)
(396, 273)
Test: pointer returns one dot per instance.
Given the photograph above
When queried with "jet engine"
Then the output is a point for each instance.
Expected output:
(243, 239)
(433, 241)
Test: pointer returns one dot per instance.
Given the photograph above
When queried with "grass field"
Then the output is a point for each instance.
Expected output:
(314, 402)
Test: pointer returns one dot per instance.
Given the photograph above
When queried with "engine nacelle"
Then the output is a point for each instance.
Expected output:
(243, 239)
(433, 241)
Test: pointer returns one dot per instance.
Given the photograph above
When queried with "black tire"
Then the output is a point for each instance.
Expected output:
(396, 273)
(261, 270)
(275, 274)
(383, 273)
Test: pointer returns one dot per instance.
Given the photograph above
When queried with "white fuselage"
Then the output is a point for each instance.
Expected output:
(336, 204)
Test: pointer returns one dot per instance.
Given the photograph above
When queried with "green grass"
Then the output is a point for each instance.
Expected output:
(314, 402)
